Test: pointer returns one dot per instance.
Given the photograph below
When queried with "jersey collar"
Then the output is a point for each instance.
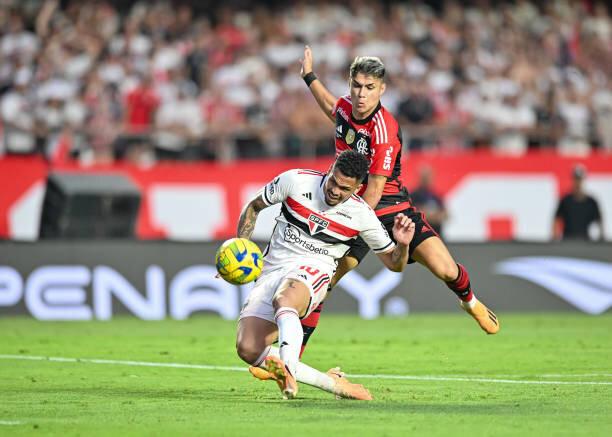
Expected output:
(369, 117)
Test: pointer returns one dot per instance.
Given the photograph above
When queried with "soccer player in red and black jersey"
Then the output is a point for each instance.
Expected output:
(363, 124)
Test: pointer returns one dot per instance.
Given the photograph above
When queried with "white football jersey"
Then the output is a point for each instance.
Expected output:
(308, 228)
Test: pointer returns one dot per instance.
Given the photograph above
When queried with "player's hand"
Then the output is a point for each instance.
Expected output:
(306, 61)
(403, 229)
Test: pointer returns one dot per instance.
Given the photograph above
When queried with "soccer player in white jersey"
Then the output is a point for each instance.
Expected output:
(321, 215)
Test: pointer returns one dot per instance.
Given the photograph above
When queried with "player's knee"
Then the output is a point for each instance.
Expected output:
(249, 352)
(448, 272)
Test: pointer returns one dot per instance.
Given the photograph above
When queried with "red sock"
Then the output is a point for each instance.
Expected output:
(461, 286)
(309, 324)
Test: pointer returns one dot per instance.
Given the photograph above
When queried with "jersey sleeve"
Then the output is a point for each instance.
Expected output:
(335, 108)
(343, 100)
(385, 145)
(279, 188)
(375, 235)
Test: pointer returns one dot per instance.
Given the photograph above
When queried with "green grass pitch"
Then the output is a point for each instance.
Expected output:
(42, 397)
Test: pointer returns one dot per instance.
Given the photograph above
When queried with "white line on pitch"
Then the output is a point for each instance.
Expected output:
(11, 422)
(125, 363)
(242, 369)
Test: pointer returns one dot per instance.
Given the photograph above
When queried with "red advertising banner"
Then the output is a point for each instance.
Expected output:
(487, 196)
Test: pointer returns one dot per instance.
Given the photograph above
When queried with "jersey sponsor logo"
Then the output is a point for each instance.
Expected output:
(343, 214)
(307, 195)
(343, 113)
(292, 235)
(388, 159)
(362, 146)
(339, 131)
(350, 136)
(316, 224)
(364, 132)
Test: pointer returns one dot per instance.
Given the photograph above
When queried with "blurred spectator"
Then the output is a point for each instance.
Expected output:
(141, 103)
(415, 115)
(577, 211)
(179, 125)
(512, 122)
(549, 124)
(18, 121)
(425, 198)
(464, 74)
(575, 112)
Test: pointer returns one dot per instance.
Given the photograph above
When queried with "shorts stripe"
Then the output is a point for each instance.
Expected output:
(327, 281)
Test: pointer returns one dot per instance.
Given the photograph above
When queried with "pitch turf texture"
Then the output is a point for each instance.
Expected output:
(458, 381)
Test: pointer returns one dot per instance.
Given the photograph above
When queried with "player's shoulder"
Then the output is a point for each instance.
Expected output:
(385, 118)
(357, 202)
(305, 172)
(344, 101)
(301, 175)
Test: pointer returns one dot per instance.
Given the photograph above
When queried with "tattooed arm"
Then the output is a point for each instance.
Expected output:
(248, 217)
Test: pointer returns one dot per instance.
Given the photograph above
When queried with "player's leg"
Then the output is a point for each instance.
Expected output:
(359, 249)
(428, 249)
(333, 381)
(253, 339)
(257, 331)
(309, 324)
(433, 254)
(290, 302)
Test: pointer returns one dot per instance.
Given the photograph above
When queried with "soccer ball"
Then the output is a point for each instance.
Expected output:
(239, 261)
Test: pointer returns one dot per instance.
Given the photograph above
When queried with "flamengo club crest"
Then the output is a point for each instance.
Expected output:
(316, 224)
(350, 136)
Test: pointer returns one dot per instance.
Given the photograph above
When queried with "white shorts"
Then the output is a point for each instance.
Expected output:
(259, 302)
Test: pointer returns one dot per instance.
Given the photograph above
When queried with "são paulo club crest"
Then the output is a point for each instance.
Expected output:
(316, 224)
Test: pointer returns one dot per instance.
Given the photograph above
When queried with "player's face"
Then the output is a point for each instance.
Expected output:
(365, 94)
(339, 187)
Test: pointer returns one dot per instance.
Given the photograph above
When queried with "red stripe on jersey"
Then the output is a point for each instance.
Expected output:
(305, 212)
(391, 209)
(312, 172)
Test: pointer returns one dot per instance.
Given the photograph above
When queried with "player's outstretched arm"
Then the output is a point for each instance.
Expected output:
(324, 98)
(248, 217)
(374, 190)
(403, 232)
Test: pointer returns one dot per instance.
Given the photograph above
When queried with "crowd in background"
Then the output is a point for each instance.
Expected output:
(161, 80)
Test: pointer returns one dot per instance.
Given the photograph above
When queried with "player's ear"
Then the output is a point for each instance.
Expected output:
(383, 87)
(358, 188)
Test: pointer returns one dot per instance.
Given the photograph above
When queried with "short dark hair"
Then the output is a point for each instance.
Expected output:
(352, 164)
(369, 66)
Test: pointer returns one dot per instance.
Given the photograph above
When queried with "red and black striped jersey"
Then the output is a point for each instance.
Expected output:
(379, 138)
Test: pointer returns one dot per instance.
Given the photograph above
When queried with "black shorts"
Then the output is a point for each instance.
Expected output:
(423, 230)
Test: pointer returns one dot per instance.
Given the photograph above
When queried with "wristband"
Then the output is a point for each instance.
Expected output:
(309, 78)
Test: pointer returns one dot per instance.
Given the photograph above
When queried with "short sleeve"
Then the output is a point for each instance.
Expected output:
(279, 188)
(385, 146)
(375, 235)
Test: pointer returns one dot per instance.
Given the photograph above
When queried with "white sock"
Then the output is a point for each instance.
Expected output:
(470, 303)
(290, 337)
(308, 375)
(260, 362)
